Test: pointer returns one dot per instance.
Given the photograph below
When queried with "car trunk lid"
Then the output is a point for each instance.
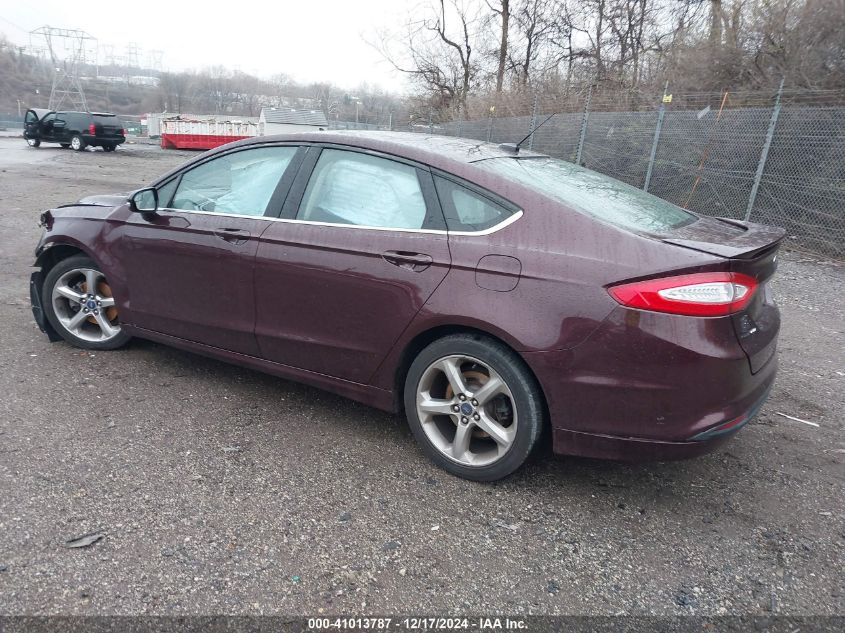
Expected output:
(751, 249)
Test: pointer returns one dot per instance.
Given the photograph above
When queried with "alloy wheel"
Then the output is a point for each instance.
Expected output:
(84, 305)
(466, 410)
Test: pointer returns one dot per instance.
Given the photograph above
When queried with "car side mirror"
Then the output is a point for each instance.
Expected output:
(144, 200)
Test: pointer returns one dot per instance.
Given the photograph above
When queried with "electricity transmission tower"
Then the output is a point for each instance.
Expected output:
(133, 55)
(69, 51)
(155, 60)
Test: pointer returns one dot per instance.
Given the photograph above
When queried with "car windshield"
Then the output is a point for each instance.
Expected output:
(602, 197)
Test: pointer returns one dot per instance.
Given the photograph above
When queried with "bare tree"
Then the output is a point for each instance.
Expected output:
(441, 57)
(503, 10)
(536, 25)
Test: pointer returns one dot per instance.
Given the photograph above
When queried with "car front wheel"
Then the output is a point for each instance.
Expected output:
(474, 406)
(79, 304)
(33, 142)
(77, 143)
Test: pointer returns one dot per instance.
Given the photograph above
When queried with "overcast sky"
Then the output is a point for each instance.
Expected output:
(310, 40)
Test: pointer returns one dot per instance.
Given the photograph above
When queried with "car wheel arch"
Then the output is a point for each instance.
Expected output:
(426, 337)
(57, 252)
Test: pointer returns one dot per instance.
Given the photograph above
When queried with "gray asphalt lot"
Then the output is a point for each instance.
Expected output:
(222, 490)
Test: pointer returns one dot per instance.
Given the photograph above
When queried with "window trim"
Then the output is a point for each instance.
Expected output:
(306, 157)
(506, 222)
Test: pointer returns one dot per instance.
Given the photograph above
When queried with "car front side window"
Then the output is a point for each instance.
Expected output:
(238, 183)
(363, 190)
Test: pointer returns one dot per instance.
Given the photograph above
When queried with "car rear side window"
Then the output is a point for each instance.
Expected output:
(363, 190)
(584, 190)
(466, 210)
(239, 183)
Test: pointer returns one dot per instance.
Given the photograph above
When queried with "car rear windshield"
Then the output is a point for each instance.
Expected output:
(602, 197)
(105, 118)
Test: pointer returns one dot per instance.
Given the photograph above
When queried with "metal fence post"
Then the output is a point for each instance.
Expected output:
(533, 121)
(660, 114)
(430, 122)
(761, 165)
(584, 126)
(490, 124)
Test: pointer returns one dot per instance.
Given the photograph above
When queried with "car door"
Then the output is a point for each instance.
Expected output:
(31, 127)
(360, 249)
(190, 265)
(61, 125)
(47, 131)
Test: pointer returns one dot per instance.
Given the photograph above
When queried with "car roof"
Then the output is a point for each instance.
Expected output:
(91, 113)
(425, 148)
(41, 112)
(453, 155)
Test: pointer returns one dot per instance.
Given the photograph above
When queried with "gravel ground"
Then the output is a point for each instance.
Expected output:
(222, 490)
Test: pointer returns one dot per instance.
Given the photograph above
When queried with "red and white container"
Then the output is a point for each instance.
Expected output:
(181, 133)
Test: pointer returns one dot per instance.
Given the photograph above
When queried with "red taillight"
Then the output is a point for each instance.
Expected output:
(123, 132)
(92, 130)
(699, 294)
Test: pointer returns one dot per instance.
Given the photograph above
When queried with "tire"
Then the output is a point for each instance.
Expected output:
(72, 277)
(64, 145)
(513, 412)
(108, 148)
(33, 142)
(77, 142)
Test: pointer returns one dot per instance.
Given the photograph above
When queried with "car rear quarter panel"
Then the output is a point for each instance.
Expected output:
(651, 376)
(560, 298)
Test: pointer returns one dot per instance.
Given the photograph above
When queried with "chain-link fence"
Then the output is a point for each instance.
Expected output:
(11, 122)
(771, 159)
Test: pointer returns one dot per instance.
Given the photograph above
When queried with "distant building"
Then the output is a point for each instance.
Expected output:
(284, 120)
(143, 80)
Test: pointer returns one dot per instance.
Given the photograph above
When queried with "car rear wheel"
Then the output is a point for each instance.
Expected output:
(80, 306)
(33, 142)
(108, 148)
(77, 143)
(474, 407)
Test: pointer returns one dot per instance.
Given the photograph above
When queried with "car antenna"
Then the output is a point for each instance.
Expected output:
(514, 147)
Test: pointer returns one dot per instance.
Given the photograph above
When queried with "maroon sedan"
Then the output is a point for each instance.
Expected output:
(491, 293)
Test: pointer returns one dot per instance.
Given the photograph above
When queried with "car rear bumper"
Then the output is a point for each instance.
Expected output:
(651, 386)
(634, 449)
(99, 141)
